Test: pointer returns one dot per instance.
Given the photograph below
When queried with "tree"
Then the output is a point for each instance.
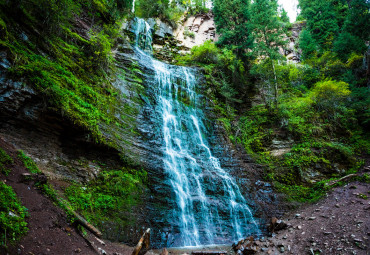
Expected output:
(322, 21)
(284, 16)
(232, 23)
(307, 44)
(269, 36)
(355, 31)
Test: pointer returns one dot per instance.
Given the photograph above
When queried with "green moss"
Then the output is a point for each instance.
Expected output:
(28, 163)
(69, 69)
(363, 196)
(12, 216)
(5, 161)
(108, 197)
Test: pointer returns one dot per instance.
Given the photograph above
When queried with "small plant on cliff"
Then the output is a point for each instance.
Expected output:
(188, 33)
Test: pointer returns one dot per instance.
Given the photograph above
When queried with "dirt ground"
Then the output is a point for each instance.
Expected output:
(49, 229)
(337, 224)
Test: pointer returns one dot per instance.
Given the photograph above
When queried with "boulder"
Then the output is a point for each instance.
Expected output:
(277, 225)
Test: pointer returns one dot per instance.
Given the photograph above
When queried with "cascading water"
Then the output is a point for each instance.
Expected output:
(210, 208)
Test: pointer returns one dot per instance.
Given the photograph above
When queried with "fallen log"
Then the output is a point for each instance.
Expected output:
(340, 180)
(81, 220)
(85, 224)
(144, 241)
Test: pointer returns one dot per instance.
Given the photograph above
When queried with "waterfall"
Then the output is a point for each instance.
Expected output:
(210, 208)
(133, 6)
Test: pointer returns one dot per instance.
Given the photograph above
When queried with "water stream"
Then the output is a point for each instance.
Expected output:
(210, 208)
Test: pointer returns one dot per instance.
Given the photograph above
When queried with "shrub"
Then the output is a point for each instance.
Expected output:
(329, 95)
(207, 53)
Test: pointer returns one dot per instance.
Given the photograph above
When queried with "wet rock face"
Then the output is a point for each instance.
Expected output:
(66, 152)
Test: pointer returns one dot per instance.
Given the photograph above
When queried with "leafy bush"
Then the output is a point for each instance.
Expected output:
(12, 216)
(330, 95)
(207, 53)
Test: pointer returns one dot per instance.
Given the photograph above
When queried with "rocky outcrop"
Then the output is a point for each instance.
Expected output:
(168, 43)
(196, 30)
(292, 51)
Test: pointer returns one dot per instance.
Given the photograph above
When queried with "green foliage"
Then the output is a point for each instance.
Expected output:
(307, 44)
(5, 161)
(232, 24)
(69, 69)
(346, 44)
(109, 196)
(322, 21)
(188, 33)
(316, 105)
(266, 29)
(208, 53)
(284, 16)
(364, 178)
(330, 95)
(303, 194)
(357, 23)
(171, 13)
(12, 216)
(223, 69)
(256, 130)
(28, 163)
(198, 7)
(269, 37)
(339, 25)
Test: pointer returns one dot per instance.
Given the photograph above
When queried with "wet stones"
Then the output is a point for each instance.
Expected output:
(246, 246)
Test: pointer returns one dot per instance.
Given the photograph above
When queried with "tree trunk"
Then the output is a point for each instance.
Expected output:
(144, 241)
(276, 85)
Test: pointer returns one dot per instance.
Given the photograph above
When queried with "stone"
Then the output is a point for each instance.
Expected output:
(101, 251)
(164, 252)
(245, 247)
(277, 225)
(11, 214)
